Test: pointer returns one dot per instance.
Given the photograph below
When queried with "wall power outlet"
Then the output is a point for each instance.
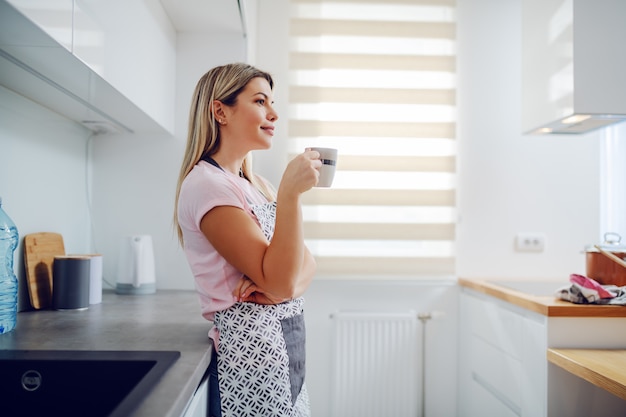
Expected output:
(530, 242)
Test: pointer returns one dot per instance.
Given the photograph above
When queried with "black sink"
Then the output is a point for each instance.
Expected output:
(78, 383)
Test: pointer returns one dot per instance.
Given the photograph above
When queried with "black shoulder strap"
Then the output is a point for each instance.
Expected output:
(212, 162)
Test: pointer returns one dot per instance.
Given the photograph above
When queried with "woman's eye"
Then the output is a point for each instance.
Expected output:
(261, 101)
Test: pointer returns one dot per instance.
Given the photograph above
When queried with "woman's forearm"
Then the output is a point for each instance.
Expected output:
(307, 273)
(284, 257)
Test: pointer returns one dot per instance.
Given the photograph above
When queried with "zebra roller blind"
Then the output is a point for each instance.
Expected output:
(376, 80)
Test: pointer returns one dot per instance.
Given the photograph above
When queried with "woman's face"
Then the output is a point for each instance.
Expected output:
(252, 118)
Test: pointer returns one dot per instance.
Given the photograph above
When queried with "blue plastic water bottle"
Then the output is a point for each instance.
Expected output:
(8, 281)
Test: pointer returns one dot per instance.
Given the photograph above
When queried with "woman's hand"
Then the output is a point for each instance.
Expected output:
(248, 291)
(302, 173)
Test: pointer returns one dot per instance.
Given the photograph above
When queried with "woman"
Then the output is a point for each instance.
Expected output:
(244, 244)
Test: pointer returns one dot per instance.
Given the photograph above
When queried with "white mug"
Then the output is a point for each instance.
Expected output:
(329, 165)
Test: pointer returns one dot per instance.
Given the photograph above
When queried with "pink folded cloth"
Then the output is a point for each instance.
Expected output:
(590, 284)
(585, 290)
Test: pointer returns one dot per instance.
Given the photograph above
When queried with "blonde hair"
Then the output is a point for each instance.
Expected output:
(223, 83)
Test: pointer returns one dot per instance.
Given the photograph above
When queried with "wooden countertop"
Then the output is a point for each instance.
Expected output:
(539, 300)
(603, 368)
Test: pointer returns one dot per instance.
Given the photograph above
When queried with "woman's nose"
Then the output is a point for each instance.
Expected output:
(272, 115)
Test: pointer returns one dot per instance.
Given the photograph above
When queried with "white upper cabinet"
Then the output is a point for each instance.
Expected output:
(112, 69)
(573, 65)
(89, 35)
(132, 45)
(53, 16)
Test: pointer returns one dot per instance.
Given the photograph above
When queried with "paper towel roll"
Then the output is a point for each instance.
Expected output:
(136, 269)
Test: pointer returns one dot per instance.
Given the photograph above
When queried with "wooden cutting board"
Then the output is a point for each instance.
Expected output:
(39, 252)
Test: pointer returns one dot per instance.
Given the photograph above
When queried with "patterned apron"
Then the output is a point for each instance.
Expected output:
(261, 356)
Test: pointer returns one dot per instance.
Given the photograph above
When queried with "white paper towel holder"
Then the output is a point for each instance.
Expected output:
(136, 271)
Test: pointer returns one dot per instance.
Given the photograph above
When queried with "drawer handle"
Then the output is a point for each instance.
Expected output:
(499, 396)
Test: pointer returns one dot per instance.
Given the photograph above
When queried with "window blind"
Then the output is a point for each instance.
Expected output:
(376, 80)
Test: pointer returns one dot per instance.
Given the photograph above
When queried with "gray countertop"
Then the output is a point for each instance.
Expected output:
(167, 320)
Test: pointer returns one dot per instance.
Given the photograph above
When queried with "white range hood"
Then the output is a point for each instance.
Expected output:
(573, 65)
(37, 67)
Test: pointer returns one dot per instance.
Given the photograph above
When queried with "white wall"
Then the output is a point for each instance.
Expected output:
(43, 176)
(509, 182)
(613, 182)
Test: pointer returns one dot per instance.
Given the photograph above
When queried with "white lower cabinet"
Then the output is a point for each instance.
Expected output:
(502, 359)
(503, 365)
(198, 405)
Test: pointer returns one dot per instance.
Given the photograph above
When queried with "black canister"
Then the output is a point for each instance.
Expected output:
(70, 282)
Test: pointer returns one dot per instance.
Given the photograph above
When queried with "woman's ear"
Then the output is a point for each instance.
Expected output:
(218, 111)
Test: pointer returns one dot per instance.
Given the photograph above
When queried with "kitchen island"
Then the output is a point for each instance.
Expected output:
(507, 328)
(167, 320)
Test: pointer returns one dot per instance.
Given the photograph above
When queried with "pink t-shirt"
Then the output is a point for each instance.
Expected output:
(204, 188)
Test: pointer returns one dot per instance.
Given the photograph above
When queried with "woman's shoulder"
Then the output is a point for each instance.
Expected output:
(207, 179)
(203, 189)
(204, 174)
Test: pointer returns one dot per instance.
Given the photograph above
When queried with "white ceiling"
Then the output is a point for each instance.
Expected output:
(204, 15)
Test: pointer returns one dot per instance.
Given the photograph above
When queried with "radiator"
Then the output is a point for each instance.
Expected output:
(375, 365)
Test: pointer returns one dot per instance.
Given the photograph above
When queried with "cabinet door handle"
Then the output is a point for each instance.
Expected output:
(497, 394)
